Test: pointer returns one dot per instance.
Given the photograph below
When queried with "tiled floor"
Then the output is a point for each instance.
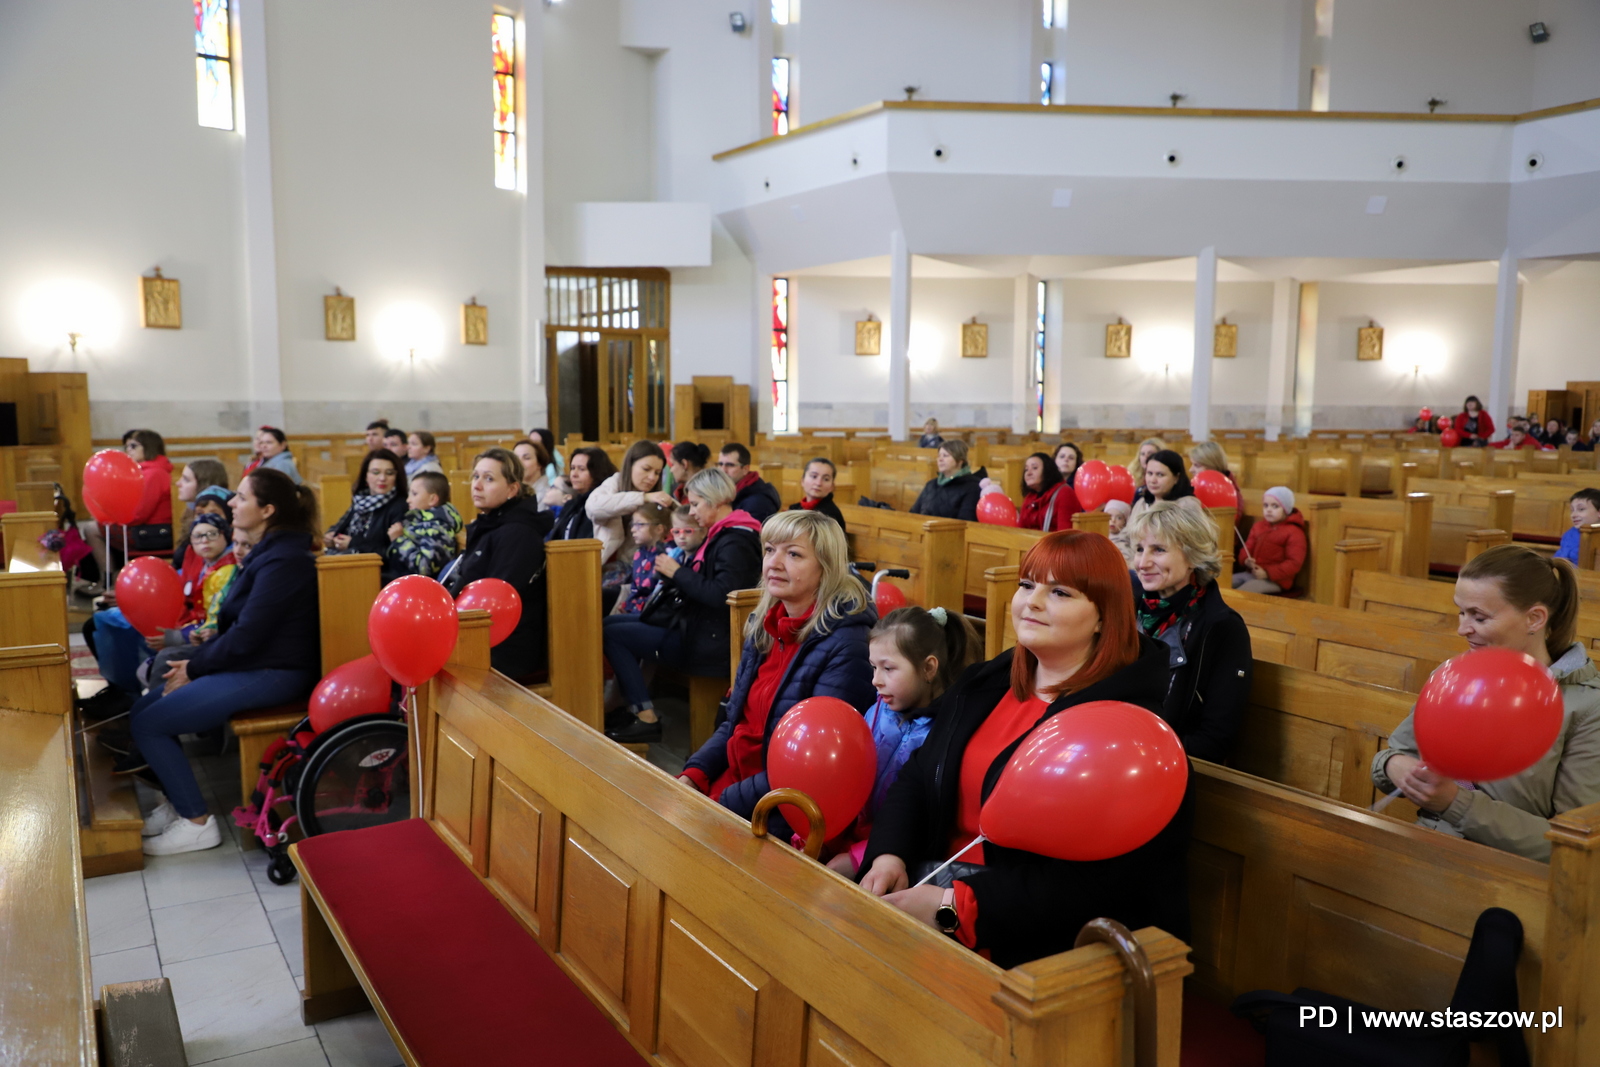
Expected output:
(230, 942)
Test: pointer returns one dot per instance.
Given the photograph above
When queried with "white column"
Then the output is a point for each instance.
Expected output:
(1205, 343)
(1285, 292)
(1054, 317)
(1305, 360)
(263, 368)
(899, 335)
(534, 405)
(1503, 365)
(1024, 310)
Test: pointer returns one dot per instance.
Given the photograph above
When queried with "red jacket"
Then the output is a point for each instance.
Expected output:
(1485, 425)
(155, 506)
(1527, 442)
(1280, 547)
(1036, 508)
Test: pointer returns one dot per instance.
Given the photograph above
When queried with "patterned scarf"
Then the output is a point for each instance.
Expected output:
(1157, 614)
(362, 509)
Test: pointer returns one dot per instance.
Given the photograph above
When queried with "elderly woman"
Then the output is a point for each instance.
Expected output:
(1165, 479)
(1176, 563)
(953, 493)
(807, 638)
(1077, 642)
(506, 541)
(365, 527)
(1512, 597)
(686, 622)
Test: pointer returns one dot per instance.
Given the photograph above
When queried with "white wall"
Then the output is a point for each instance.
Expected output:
(1222, 53)
(1564, 67)
(1560, 339)
(104, 175)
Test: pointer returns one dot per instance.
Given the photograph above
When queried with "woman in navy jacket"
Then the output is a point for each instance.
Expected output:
(806, 638)
(267, 651)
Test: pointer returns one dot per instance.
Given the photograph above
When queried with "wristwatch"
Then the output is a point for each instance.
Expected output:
(945, 918)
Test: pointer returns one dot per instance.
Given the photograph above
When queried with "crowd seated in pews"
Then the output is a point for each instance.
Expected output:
(1510, 596)
(953, 492)
(816, 487)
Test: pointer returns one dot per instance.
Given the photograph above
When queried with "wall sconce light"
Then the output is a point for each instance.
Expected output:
(83, 314)
(410, 330)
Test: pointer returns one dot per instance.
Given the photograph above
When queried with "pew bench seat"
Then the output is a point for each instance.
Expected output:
(454, 976)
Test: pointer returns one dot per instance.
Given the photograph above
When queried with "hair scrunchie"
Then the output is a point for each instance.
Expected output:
(940, 615)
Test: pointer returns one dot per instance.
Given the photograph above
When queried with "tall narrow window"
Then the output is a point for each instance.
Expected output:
(1046, 76)
(1038, 359)
(503, 43)
(780, 355)
(780, 95)
(1049, 13)
(213, 63)
(782, 12)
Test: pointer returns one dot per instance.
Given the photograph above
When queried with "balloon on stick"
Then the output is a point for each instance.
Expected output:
(996, 509)
(150, 594)
(823, 747)
(1215, 490)
(1095, 781)
(1487, 715)
(360, 687)
(112, 487)
(1095, 484)
(500, 599)
(412, 629)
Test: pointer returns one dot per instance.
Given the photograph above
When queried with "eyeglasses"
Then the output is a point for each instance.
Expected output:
(205, 536)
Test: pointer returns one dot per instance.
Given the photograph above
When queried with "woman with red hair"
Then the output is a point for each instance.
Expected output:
(1077, 641)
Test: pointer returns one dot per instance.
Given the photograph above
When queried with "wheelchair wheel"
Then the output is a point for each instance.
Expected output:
(355, 776)
(280, 871)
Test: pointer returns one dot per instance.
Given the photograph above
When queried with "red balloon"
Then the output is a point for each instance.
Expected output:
(1487, 715)
(887, 598)
(499, 598)
(666, 449)
(1215, 490)
(1095, 781)
(1122, 487)
(412, 628)
(823, 747)
(1450, 438)
(1094, 484)
(1446, 422)
(1425, 413)
(996, 509)
(360, 687)
(112, 486)
(150, 594)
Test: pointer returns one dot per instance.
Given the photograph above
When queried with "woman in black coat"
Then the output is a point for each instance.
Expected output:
(585, 471)
(953, 494)
(685, 623)
(506, 541)
(1076, 642)
(365, 527)
(1176, 562)
(816, 489)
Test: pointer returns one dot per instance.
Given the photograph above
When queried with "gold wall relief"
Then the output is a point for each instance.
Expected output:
(1225, 342)
(474, 323)
(1369, 341)
(160, 303)
(974, 339)
(869, 337)
(1119, 339)
(339, 316)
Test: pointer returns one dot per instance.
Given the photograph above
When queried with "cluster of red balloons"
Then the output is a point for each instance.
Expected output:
(1487, 715)
(1098, 482)
(997, 509)
(112, 487)
(1214, 489)
(1449, 436)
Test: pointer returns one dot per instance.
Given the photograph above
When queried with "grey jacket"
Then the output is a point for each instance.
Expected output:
(284, 461)
(1514, 813)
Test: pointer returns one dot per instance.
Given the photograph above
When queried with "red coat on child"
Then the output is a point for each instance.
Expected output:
(1280, 548)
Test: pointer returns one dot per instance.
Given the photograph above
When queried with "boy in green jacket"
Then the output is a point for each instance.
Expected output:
(425, 539)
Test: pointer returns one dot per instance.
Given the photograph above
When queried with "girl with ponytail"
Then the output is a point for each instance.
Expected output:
(1512, 597)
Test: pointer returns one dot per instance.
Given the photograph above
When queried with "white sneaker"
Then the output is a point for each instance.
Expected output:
(184, 836)
(158, 820)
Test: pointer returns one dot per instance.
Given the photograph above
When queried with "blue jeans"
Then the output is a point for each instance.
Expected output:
(628, 640)
(119, 649)
(203, 704)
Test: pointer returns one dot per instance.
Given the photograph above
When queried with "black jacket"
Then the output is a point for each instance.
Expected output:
(1212, 664)
(508, 543)
(270, 618)
(955, 499)
(825, 506)
(375, 538)
(573, 524)
(759, 500)
(1030, 905)
(732, 561)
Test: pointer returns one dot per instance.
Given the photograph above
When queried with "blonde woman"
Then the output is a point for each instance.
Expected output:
(1147, 448)
(807, 637)
(1175, 566)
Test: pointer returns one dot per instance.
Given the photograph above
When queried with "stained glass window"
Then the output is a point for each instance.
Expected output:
(503, 43)
(780, 95)
(780, 355)
(213, 66)
(1038, 359)
(1046, 75)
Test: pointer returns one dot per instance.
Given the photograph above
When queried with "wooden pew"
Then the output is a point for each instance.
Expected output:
(899, 474)
(1431, 605)
(22, 530)
(1290, 889)
(47, 1009)
(705, 944)
(1322, 518)
(931, 549)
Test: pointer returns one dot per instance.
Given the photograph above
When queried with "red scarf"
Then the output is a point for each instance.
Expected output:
(747, 744)
(810, 503)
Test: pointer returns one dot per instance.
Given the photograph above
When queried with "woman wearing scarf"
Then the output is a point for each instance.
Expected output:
(1176, 562)
(953, 494)
(365, 527)
(686, 621)
(816, 490)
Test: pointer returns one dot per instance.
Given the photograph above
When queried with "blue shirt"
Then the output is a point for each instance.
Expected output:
(1569, 546)
(896, 737)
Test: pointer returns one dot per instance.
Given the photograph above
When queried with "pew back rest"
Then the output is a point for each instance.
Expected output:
(707, 945)
(931, 549)
(1431, 605)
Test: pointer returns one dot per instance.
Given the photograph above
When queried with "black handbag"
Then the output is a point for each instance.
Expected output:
(154, 537)
(664, 606)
